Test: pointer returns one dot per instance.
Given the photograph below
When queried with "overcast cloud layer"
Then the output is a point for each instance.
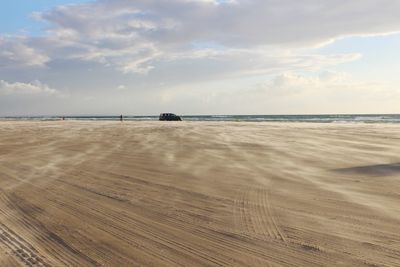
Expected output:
(194, 56)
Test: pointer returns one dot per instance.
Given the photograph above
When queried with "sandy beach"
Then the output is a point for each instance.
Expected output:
(199, 193)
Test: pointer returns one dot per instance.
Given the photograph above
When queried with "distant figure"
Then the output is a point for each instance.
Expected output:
(121, 118)
(63, 118)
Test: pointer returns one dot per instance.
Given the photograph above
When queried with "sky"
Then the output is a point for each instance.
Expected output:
(144, 57)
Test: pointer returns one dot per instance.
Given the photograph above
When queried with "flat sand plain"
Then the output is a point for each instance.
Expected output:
(199, 193)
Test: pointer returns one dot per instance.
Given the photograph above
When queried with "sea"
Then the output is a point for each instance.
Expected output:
(332, 118)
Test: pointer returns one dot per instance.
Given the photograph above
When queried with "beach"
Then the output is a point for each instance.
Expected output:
(77, 193)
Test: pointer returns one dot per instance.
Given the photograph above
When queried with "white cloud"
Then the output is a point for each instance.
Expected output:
(292, 83)
(121, 87)
(326, 83)
(137, 36)
(290, 92)
(15, 52)
(18, 88)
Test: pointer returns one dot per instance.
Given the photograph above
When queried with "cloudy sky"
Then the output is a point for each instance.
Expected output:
(142, 57)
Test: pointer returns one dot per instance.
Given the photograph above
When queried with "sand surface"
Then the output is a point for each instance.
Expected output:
(197, 193)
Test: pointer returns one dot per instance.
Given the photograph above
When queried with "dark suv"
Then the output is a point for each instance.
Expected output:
(169, 117)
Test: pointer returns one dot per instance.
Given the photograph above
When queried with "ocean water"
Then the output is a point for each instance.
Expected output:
(348, 118)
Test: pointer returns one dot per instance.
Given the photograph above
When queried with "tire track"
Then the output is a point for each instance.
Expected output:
(56, 249)
(255, 216)
(23, 251)
(264, 196)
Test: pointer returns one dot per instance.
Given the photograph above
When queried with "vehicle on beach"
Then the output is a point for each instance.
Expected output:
(169, 117)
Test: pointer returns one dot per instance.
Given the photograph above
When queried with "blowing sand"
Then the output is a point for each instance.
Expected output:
(197, 193)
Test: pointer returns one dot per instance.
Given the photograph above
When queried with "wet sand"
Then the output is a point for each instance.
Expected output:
(199, 193)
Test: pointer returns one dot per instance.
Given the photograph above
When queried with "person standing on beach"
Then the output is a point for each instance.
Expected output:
(121, 118)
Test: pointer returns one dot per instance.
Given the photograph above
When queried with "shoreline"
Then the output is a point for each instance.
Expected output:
(332, 118)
